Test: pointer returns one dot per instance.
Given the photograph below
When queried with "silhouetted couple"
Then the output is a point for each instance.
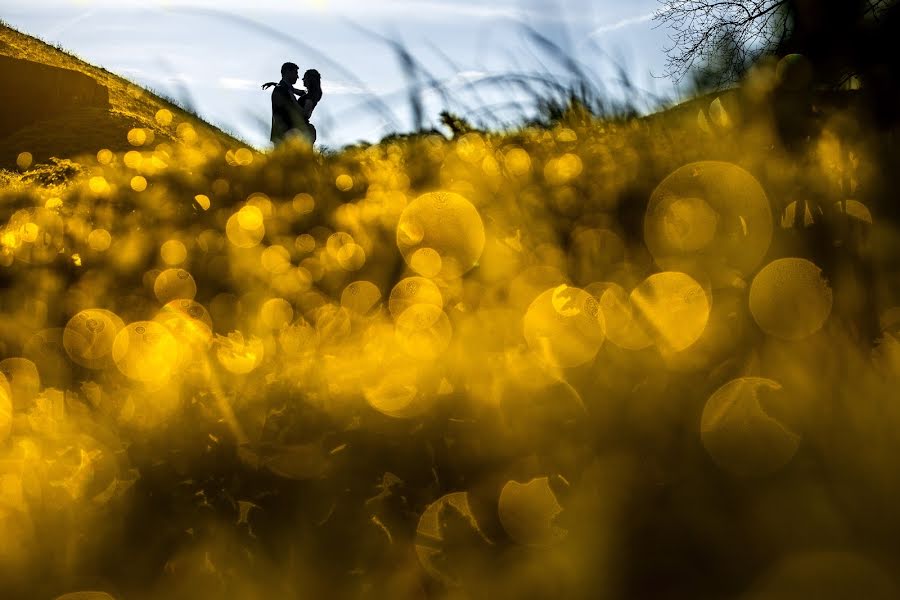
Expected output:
(290, 115)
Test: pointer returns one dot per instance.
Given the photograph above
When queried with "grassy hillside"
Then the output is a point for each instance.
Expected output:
(85, 131)
(633, 358)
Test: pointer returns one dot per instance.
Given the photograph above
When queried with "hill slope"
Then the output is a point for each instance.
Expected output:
(83, 127)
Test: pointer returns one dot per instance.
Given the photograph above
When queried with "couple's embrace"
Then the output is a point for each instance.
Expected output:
(290, 114)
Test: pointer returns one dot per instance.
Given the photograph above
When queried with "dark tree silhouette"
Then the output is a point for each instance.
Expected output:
(718, 40)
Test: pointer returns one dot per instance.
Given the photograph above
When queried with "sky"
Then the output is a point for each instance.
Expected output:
(214, 54)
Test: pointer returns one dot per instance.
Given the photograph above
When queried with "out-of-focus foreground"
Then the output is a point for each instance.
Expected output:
(640, 358)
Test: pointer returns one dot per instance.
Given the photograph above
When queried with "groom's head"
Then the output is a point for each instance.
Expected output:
(290, 72)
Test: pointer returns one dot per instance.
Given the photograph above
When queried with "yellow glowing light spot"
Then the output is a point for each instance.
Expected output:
(29, 232)
(238, 355)
(562, 170)
(564, 326)
(241, 236)
(689, 224)
(336, 241)
(450, 225)
(202, 200)
(23, 378)
(133, 159)
(410, 232)
(104, 156)
(99, 240)
(344, 182)
(569, 166)
(303, 204)
(186, 132)
(173, 284)
(164, 117)
(396, 394)
(739, 431)
(790, 299)
(23, 160)
(423, 331)
(145, 351)
(517, 161)
(490, 166)
(430, 534)
(10, 240)
(412, 291)
(138, 183)
(276, 313)
(276, 259)
(566, 135)
(564, 302)
(189, 322)
(622, 328)
(53, 203)
(76, 259)
(713, 213)
(137, 137)
(314, 267)
(426, 262)
(351, 257)
(702, 123)
(718, 114)
(361, 297)
(98, 185)
(173, 252)
(672, 308)
(243, 157)
(790, 214)
(250, 217)
(527, 512)
(471, 147)
(305, 243)
(88, 337)
(856, 210)
(262, 202)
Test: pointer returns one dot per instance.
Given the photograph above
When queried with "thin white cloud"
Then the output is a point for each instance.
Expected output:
(627, 22)
(236, 83)
(340, 87)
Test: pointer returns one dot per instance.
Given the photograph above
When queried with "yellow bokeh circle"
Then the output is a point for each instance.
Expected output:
(99, 240)
(790, 299)
(412, 291)
(448, 224)
(361, 297)
(711, 211)
(672, 308)
(173, 252)
(89, 335)
(145, 351)
(174, 284)
(740, 431)
(423, 331)
(564, 326)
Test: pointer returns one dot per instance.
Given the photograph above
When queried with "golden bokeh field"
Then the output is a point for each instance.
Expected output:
(611, 359)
